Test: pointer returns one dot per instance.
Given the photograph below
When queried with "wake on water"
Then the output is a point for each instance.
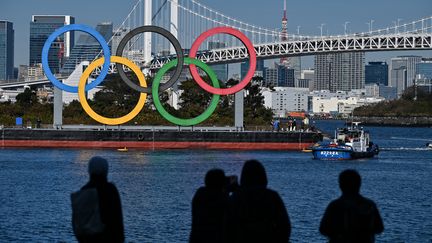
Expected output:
(411, 139)
(406, 149)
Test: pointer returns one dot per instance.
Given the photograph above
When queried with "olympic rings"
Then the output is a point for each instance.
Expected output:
(179, 121)
(252, 59)
(171, 38)
(91, 112)
(84, 28)
(192, 61)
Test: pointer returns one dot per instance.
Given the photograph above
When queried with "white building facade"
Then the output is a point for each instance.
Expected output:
(342, 103)
(286, 99)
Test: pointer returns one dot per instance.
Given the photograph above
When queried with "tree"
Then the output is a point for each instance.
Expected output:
(27, 98)
(404, 107)
(193, 99)
(255, 111)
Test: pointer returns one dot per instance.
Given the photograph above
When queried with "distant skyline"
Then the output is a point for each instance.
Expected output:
(308, 14)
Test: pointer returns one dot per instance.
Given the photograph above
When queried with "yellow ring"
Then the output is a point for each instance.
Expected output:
(91, 112)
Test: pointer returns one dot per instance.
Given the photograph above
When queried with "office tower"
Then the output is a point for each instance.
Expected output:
(117, 37)
(424, 69)
(376, 73)
(399, 79)
(339, 71)
(87, 48)
(270, 77)
(244, 68)
(410, 64)
(43, 26)
(307, 77)
(6, 50)
(285, 76)
(221, 70)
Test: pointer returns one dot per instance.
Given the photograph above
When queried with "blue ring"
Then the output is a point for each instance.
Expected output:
(92, 32)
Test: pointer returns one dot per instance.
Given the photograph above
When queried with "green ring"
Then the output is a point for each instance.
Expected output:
(180, 121)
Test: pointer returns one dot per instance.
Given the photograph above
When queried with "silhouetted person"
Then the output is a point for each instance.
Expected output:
(209, 207)
(109, 203)
(351, 218)
(256, 213)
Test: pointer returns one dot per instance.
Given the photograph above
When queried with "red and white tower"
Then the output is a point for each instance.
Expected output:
(284, 32)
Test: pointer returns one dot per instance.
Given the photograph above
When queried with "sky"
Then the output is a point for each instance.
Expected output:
(308, 14)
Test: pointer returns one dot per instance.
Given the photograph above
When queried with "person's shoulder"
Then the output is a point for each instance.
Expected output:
(111, 186)
(88, 185)
(336, 203)
(367, 201)
(272, 194)
(200, 192)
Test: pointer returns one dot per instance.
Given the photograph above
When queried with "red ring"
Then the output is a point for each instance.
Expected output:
(252, 60)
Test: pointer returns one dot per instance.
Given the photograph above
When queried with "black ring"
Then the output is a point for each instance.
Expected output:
(171, 38)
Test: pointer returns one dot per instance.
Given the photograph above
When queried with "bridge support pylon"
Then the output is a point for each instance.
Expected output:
(239, 110)
(174, 22)
(147, 36)
(58, 108)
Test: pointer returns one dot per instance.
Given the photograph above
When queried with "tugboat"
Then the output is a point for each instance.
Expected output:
(349, 143)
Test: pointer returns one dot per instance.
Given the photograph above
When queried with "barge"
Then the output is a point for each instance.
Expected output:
(156, 139)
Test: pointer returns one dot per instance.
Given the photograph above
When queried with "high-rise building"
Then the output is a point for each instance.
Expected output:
(87, 48)
(376, 73)
(339, 71)
(285, 76)
(424, 69)
(270, 77)
(221, 70)
(307, 77)
(303, 83)
(117, 37)
(410, 64)
(423, 79)
(6, 50)
(244, 67)
(294, 63)
(323, 72)
(399, 79)
(43, 26)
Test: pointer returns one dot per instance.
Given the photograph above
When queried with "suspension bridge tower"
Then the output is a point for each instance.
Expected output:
(148, 17)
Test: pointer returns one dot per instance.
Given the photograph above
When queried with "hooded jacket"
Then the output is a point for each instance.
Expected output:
(110, 211)
(256, 214)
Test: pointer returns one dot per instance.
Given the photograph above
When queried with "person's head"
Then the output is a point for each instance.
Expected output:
(253, 174)
(215, 179)
(349, 181)
(98, 167)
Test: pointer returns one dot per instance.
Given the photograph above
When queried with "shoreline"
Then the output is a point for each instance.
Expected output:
(396, 121)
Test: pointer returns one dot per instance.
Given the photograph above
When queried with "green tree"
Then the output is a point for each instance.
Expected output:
(255, 111)
(27, 98)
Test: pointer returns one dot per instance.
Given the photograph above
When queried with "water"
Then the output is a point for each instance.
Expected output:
(156, 187)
